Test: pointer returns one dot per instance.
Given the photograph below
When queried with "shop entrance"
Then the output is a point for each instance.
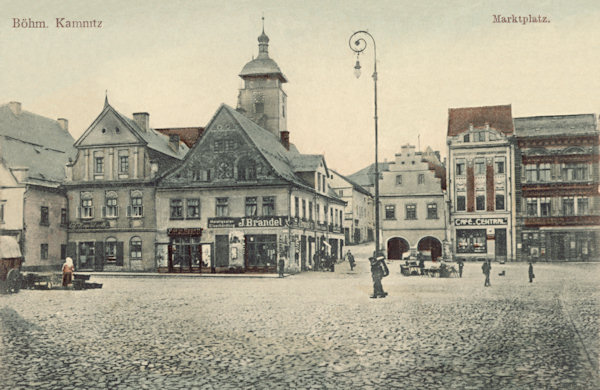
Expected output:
(261, 253)
(500, 242)
(222, 251)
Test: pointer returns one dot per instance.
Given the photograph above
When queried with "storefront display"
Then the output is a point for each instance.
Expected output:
(471, 241)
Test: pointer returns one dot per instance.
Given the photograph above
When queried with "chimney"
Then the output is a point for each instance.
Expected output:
(174, 142)
(15, 107)
(63, 123)
(285, 139)
(142, 119)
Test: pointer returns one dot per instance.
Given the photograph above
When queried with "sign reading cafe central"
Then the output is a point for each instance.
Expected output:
(480, 221)
(259, 222)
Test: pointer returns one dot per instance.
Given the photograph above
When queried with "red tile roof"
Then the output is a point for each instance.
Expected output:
(498, 117)
(188, 135)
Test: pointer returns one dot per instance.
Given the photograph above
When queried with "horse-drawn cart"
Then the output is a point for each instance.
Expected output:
(10, 265)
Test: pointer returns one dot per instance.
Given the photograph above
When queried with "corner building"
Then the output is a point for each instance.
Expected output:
(481, 155)
(244, 197)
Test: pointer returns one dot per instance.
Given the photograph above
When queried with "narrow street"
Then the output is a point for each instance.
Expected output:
(313, 330)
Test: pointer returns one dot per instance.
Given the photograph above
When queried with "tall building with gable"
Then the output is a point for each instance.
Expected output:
(244, 197)
(33, 207)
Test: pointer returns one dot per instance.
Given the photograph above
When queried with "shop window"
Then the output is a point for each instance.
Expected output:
(135, 248)
(268, 205)
(471, 241)
(110, 249)
(432, 211)
(411, 211)
(499, 201)
(193, 208)
(568, 206)
(176, 209)
(44, 251)
(421, 178)
(261, 250)
(222, 207)
(86, 254)
(44, 216)
(480, 202)
(398, 180)
(252, 207)
(461, 204)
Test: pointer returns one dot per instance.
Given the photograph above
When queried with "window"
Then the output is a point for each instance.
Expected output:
(531, 173)
(176, 209)
(390, 211)
(259, 107)
(398, 180)
(123, 164)
(471, 241)
(111, 210)
(222, 207)
(268, 205)
(318, 181)
(421, 178)
(87, 208)
(480, 202)
(466, 138)
(99, 166)
(296, 207)
(318, 212)
(499, 201)
(432, 211)
(324, 188)
(110, 249)
(479, 167)
(63, 217)
(545, 173)
(568, 206)
(251, 207)
(480, 136)
(44, 216)
(460, 168)
(499, 165)
(310, 211)
(223, 145)
(460, 203)
(193, 208)
(247, 169)
(304, 209)
(201, 175)
(411, 211)
(2, 211)
(545, 207)
(583, 206)
(137, 210)
(135, 248)
(44, 251)
(532, 209)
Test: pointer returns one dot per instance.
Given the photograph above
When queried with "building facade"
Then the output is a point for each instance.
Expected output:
(413, 204)
(33, 206)
(359, 213)
(481, 161)
(558, 178)
(111, 192)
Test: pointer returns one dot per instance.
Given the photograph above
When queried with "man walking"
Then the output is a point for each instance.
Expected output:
(531, 275)
(379, 270)
(487, 268)
(350, 257)
(461, 264)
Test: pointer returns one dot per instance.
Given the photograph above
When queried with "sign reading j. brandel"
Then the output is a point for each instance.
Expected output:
(228, 222)
(480, 221)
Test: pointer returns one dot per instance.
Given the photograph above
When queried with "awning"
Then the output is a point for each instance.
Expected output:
(9, 247)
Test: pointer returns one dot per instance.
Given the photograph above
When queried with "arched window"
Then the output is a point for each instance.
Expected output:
(135, 248)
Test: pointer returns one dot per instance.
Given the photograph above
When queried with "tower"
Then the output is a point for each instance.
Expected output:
(262, 98)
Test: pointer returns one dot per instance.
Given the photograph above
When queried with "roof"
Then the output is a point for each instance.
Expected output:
(354, 185)
(263, 65)
(365, 176)
(498, 117)
(35, 129)
(188, 135)
(9, 248)
(554, 125)
(306, 162)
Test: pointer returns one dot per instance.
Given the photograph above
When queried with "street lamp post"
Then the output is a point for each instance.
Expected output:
(358, 44)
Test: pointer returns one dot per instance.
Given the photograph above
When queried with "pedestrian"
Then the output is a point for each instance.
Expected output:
(487, 268)
(67, 272)
(331, 263)
(531, 275)
(421, 263)
(350, 257)
(461, 264)
(281, 266)
(379, 270)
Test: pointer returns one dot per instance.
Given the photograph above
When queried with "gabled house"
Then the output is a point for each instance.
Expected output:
(33, 206)
(111, 190)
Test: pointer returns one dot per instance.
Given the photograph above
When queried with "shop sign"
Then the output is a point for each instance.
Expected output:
(89, 225)
(184, 231)
(480, 221)
(245, 222)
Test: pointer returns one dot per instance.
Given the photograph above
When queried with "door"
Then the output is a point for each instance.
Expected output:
(500, 238)
(222, 251)
(303, 252)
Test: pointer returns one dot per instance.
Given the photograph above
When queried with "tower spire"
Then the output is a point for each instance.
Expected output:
(106, 98)
(263, 42)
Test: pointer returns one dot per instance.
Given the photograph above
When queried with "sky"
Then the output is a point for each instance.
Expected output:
(180, 60)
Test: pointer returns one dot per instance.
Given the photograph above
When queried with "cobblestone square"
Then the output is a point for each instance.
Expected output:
(316, 330)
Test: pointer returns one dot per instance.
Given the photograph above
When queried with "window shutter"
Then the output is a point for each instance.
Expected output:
(103, 211)
(141, 211)
(116, 211)
(129, 211)
(120, 253)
